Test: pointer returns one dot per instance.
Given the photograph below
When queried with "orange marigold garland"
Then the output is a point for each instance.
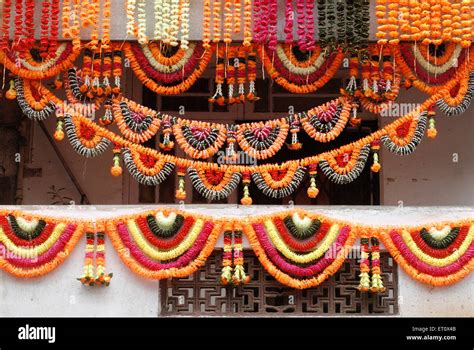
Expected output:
(180, 191)
(226, 272)
(239, 277)
(214, 184)
(145, 168)
(364, 284)
(278, 181)
(218, 96)
(312, 189)
(246, 199)
(459, 98)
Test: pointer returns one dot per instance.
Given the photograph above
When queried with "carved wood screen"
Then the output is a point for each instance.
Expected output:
(202, 293)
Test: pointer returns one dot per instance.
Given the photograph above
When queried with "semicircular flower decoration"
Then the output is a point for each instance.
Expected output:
(137, 123)
(437, 256)
(405, 137)
(199, 140)
(296, 261)
(279, 181)
(262, 140)
(33, 105)
(300, 73)
(214, 184)
(429, 67)
(344, 166)
(32, 246)
(32, 66)
(152, 72)
(146, 169)
(326, 122)
(459, 99)
(83, 138)
(167, 244)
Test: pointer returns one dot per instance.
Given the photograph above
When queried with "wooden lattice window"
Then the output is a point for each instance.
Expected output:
(202, 294)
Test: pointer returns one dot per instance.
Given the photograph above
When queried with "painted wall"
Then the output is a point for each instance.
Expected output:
(60, 294)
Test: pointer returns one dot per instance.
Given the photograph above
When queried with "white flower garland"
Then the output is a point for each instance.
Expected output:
(185, 9)
(46, 64)
(166, 21)
(174, 22)
(299, 70)
(131, 5)
(439, 234)
(158, 20)
(25, 225)
(429, 67)
(141, 15)
(302, 224)
(165, 222)
(168, 69)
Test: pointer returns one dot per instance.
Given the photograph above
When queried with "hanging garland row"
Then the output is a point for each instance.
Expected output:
(298, 248)
(341, 165)
(428, 22)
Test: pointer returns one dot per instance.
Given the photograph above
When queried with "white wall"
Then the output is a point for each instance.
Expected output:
(60, 294)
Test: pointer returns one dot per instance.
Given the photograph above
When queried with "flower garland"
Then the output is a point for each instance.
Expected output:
(137, 123)
(34, 246)
(457, 102)
(325, 123)
(300, 249)
(148, 74)
(146, 169)
(214, 184)
(84, 139)
(343, 167)
(278, 181)
(179, 261)
(200, 140)
(33, 107)
(442, 64)
(343, 24)
(262, 140)
(28, 68)
(404, 138)
(430, 22)
(300, 80)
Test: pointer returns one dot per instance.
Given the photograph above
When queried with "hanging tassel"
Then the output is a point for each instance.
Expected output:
(108, 116)
(252, 74)
(231, 74)
(353, 72)
(116, 169)
(375, 154)
(117, 72)
(239, 277)
(246, 199)
(58, 83)
(11, 93)
(294, 122)
(180, 192)
(226, 274)
(241, 73)
(218, 97)
(230, 150)
(166, 144)
(312, 189)
(431, 132)
(355, 120)
(87, 277)
(101, 276)
(377, 283)
(364, 284)
(59, 132)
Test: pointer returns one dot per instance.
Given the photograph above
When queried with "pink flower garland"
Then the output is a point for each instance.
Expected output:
(423, 267)
(153, 265)
(289, 18)
(46, 256)
(308, 271)
(167, 78)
